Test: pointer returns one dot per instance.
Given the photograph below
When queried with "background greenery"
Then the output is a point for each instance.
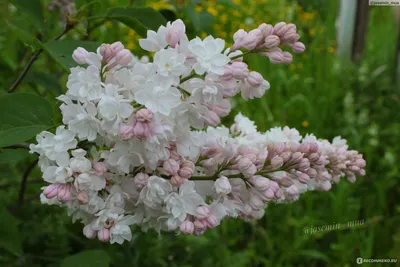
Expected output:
(319, 93)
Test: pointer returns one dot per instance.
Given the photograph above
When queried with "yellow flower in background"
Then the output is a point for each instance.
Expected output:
(160, 5)
(198, 8)
(212, 11)
(224, 18)
(331, 50)
(305, 124)
(312, 32)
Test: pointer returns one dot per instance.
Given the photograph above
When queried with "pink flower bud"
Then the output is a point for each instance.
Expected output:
(272, 41)
(239, 70)
(186, 170)
(298, 47)
(171, 167)
(141, 180)
(244, 164)
(276, 57)
(276, 162)
(104, 235)
(144, 115)
(199, 231)
(257, 214)
(351, 178)
(312, 173)
(141, 130)
(200, 225)
(238, 38)
(313, 157)
(177, 180)
(126, 132)
(202, 212)
(106, 52)
(124, 57)
(266, 29)
(79, 55)
(222, 108)
(212, 221)
(268, 194)
(252, 39)
(291, 27)
(89, 232)
(83, 197)
(255, 79)
(187, 227)
(361, 163)
(280, 28)
(99, 168)
(314, 147)
(174, 32)
(287, 58)
(228, 74)
(260, 183)
(222, 186)
(303, 165)
(51, 191)
(296, 157)
(303, 178)
(304, 147)
(64, 193)
(285, 181)
(290, 37)
(173, 154)
(256, 202)
(116, 47)
(211, 118)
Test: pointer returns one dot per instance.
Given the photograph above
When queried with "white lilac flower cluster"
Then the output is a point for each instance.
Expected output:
(141, 145)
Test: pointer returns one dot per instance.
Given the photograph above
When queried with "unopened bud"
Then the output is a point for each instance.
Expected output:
(103, 235)
(99, 168)
(187, 227)
(124, 57)
(79, 55)
(51, 191)
(89, 232)
(272, 41)
(141, 180)
(298, 47)
(64, 193)
(83, 197)
(144, 115)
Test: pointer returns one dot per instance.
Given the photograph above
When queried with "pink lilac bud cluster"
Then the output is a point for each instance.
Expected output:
(66, 7)
(141, 142)
(267, 40)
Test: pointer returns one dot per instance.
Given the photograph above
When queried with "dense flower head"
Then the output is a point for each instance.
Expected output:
(142, 142)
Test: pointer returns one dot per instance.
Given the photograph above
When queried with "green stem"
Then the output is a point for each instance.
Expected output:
(188, 78)
(183, 91)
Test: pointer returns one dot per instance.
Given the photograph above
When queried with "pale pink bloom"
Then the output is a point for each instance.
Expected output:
(187, 227)
(103, 235)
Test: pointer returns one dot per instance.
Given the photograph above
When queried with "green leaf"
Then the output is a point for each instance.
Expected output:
(22, 116)
(12, 156)
(91, 258)
(33, 8)
(27, 38)
(50, 82)
(138, 18)
(61, 51)
(10, 237)
(200, 21)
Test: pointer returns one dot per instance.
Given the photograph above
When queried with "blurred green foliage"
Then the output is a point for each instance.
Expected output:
(319, 93)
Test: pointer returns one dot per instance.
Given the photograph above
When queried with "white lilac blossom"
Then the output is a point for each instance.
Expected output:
(142, 142)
